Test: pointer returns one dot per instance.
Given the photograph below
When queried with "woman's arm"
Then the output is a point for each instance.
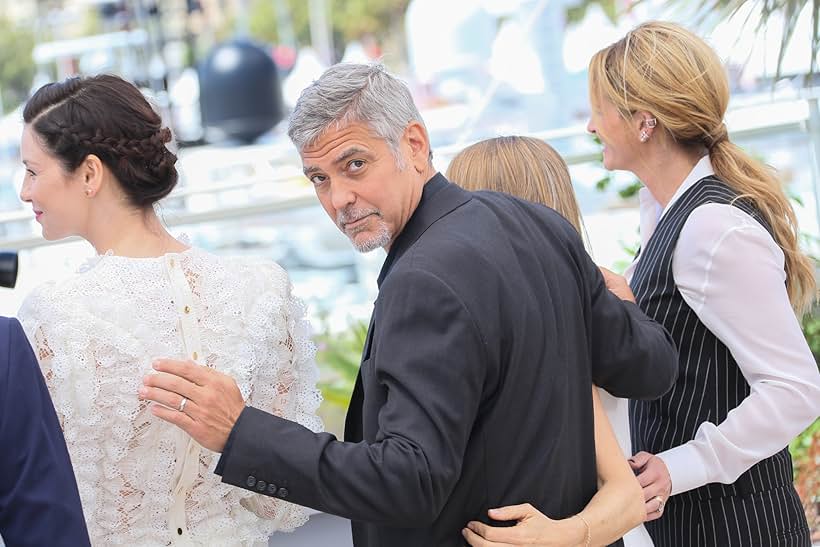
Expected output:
(730, 272)
(284, 386)
(618, 506)
(615, 509)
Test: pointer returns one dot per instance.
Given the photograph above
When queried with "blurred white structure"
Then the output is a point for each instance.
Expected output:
(307, 68)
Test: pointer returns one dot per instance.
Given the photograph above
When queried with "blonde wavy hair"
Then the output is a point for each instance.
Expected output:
(525, 167)
(664, 69)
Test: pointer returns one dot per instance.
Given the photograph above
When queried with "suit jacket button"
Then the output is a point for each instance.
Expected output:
(272, 489)
(282, 493)
(260, 485)
(251, 481)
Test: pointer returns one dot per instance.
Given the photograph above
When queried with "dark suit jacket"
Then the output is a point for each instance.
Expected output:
(39, 502)
(490, 326)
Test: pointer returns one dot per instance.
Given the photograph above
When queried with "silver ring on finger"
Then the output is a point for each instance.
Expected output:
(660, 504)
(182, 403)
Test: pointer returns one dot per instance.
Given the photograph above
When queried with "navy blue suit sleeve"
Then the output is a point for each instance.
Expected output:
(39, 501)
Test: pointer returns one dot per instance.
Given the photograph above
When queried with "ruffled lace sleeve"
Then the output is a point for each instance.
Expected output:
(37, 320)
(98, 427)
(284, 383)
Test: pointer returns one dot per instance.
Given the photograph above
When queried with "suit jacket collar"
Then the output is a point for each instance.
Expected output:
(438, 198)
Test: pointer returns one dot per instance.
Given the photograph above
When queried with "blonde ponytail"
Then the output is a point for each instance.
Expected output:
(756, 182)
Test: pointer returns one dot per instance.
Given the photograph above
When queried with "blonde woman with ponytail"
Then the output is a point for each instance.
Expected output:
(721, 269)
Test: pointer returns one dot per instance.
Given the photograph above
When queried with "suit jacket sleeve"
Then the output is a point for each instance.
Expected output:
(632, 355)
(429, 356)
(39, 501)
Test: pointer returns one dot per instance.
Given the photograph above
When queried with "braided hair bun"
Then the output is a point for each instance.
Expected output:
(108, 117)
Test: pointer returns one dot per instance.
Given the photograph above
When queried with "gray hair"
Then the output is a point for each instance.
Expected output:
(349, 93)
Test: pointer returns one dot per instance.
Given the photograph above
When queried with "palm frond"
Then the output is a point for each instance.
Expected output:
(708, 13)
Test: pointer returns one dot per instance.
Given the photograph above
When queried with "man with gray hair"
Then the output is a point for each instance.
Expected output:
(475, 383)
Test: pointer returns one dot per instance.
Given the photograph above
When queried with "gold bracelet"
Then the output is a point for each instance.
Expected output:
(589, 532)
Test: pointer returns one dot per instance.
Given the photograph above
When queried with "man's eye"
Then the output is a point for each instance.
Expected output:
(355, 165)
(317, 179)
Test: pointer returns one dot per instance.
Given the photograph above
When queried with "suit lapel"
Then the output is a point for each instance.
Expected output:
(438, 198)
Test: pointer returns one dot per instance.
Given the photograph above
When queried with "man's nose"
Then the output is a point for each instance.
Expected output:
(341, 195)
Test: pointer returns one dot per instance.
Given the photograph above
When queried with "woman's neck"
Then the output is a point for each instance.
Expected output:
(664, 168)
(132, 233)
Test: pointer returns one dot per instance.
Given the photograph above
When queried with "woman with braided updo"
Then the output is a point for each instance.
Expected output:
(96, 163)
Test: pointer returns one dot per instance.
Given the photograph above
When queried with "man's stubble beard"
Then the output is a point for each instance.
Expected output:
(380, 239)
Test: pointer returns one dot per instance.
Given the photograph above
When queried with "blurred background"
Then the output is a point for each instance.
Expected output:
(225, 74)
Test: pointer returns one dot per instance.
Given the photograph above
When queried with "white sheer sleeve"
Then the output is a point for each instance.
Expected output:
(37, 317)
(722, 257)
(63, 339)
(285, 382)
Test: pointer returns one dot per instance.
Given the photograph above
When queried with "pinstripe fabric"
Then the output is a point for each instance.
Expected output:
(761, 507)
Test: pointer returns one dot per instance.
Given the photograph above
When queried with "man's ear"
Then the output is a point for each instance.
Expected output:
(418, 143)
(91, 172)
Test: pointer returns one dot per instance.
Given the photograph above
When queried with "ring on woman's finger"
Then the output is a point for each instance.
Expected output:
(660, 504)
(184, 401)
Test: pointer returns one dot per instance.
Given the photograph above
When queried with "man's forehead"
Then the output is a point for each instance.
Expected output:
(336, 142)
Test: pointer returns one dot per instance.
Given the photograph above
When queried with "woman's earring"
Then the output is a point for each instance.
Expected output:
(88, 192)
(649, 123)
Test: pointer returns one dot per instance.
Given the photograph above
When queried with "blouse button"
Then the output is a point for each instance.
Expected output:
(187, 309)
(195, 356)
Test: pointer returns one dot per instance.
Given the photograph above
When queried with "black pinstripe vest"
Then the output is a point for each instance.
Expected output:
(709, 383)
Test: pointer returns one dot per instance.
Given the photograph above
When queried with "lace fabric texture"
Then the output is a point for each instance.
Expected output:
(96, 335)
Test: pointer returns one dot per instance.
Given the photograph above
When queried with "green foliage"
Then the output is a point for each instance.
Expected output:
(811, 330)
(805, 451)
(576, 13)
(802, 444)
(16, 65)
(356, 18)
(711, 12)
(339, 357)
(349, 19)
(92, 23)
(264, 23)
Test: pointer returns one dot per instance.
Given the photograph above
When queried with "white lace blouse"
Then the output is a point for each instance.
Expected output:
(143, 481)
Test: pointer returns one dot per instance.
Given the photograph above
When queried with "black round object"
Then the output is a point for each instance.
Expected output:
(8, 269)
(239, 92)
